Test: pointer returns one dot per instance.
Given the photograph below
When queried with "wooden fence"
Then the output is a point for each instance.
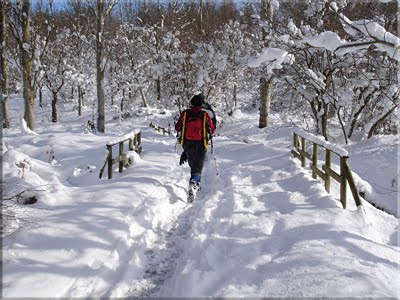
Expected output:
(161, 129)
(326, 173)
(134, 142)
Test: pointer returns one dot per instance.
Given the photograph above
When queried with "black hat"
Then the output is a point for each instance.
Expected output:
(197, 100)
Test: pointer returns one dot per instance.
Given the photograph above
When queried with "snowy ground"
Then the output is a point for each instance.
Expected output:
(261, 226)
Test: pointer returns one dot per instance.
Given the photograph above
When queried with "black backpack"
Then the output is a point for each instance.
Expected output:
(208, 109)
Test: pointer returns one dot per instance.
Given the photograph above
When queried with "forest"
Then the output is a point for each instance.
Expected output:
(300, 186)
(337, 62)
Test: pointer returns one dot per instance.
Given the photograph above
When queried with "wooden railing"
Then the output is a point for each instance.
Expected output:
(326, 173)
(161, 129)
(134, 140)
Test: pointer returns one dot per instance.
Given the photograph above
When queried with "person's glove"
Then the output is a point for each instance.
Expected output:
(183, 158)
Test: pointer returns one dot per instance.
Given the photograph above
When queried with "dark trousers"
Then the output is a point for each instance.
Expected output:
(196, 153)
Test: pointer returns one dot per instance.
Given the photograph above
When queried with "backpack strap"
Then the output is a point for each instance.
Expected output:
(205, 131)
(183, 129)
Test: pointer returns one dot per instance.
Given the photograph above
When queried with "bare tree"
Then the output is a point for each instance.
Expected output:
(3, 62)
(102, 9)
(78, 9)
(265, 82)
(29, 50)
(21, 27)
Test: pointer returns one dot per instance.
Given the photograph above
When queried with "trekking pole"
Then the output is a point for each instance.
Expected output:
(212, 152)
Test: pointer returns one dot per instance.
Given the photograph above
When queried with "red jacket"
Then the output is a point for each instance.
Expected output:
(195, 109)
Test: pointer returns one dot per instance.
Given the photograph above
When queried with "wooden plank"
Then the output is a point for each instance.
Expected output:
(295, 154)
(318, 172)
(295, 141)
(119, 159)
(343, 181)
(130, 145)
(331, 173)
(110, 162)
(303, 148)
(352, 185)
(328, 165)
(138, 149)
(315, 160)
(305, 155)
(121, 151)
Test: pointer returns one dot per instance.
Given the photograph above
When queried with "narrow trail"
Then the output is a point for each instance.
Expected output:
(217, 202)
(257, 184)
(162, 259)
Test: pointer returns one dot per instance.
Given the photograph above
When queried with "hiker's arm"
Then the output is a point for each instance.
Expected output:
(210, 124)
(179, 124)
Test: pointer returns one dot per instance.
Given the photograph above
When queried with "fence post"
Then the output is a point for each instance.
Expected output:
(328, 166)
(121, 161)
(352, 185)
(130, 144)
(314, 160)
(110, 164)
(295, 144)
(303, 147)
(343, 181)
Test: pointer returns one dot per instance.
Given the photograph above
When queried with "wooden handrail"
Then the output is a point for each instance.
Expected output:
(134, 144)
(161, 129)
(326, 173)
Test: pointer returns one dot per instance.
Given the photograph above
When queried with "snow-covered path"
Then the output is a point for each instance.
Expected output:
(266, 228)
(261, 227)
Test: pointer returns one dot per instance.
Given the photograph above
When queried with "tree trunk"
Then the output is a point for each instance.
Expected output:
(79, 101)
(4, 67)
(342, 125)
(201, 7)
(26, 63)
(380, 121)
(143, 97)
(234, 95)
(158, 88)
(100, 67)
(265, 84)
(265, 102)
(54, 116)
(359, 111)
(82, 97)
(324, 122)
(40, 97)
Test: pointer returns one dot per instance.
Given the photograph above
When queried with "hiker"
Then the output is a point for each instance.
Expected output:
(194, 124)
(207, 108)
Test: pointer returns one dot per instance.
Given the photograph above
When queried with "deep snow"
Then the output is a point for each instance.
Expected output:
(261, 227)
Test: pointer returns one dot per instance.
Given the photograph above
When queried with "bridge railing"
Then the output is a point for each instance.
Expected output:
(300, 138)
(161, 129)
(134, 142)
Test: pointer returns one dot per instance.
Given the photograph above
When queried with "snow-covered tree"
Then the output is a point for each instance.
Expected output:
(56, 67)
(32, 48)
(4, 6)
(101, 9)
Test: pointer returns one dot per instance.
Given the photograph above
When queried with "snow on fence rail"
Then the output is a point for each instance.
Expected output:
(299, 151)
(160, 129)
(134, 144)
